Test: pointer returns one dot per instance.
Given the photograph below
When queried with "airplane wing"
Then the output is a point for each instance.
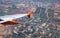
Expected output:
(12, 17)
(7, 19)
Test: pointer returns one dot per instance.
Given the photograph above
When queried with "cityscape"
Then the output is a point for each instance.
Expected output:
(44, 23)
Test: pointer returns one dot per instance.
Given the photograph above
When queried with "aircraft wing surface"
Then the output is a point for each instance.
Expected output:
(8, 19)
(11, 17)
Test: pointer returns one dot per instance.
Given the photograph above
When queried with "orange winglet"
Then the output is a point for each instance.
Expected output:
(10, 23)
(29, 14)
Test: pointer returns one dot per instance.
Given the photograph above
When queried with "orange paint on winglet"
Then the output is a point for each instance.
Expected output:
(29, 14)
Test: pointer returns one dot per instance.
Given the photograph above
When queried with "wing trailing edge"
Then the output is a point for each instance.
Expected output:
(10, 23)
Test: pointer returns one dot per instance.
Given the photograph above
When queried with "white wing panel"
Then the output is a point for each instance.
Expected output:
(11, 17)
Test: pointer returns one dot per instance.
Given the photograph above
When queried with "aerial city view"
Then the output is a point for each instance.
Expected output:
(29, 18)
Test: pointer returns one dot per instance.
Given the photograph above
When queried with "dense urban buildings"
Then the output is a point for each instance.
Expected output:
(45, 21)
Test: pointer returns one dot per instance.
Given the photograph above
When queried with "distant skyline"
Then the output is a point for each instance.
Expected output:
(52, 1)
(20, 1)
